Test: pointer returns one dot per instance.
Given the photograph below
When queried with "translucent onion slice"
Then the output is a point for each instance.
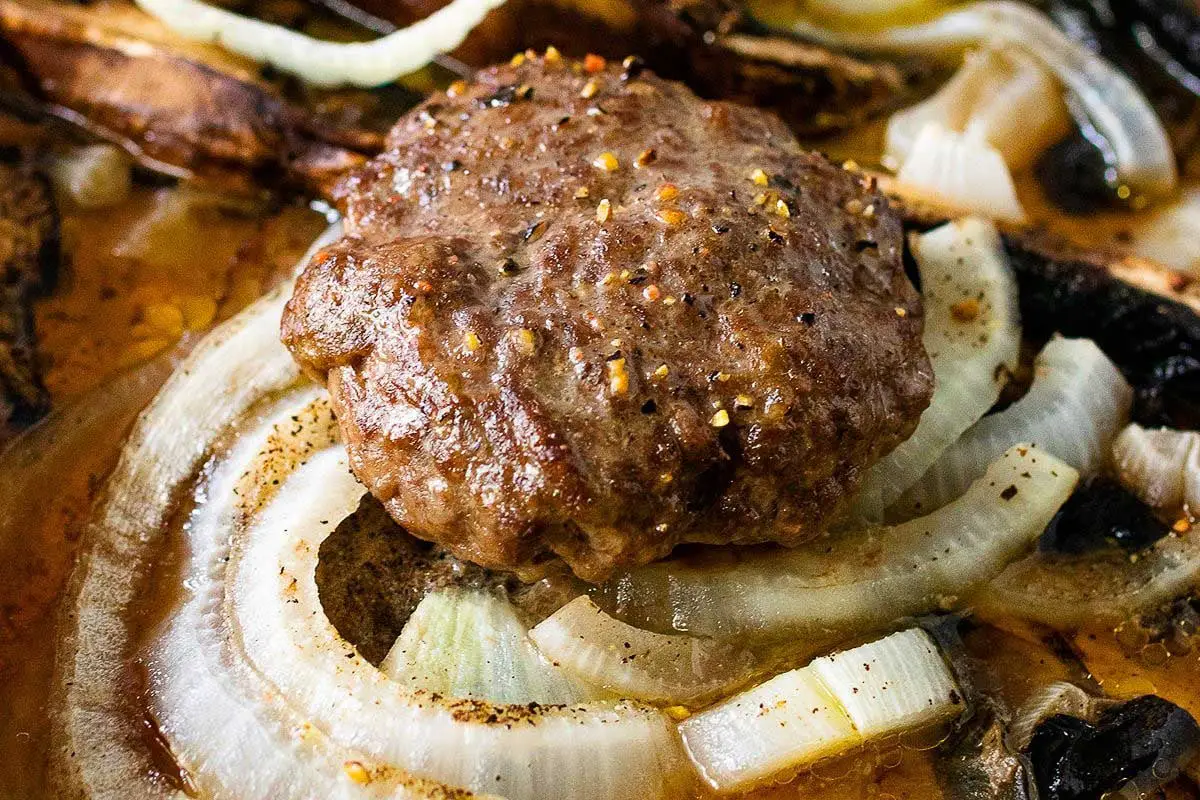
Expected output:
(1171, 235)
(635, 663)
(470, 643)
(973, 337)
(772, 730)
(93, 176)
(597, 751)
(855, 580)
(1076, 405)
(1098, 588)
(896, 683)
(319, 62)
(1001, 96)
(961, 171)
(1162, 467)
(1112, 102)
(831, 706)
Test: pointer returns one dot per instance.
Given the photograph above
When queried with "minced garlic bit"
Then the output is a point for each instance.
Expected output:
(609, 279)
(723, 377)
(471, 341)
(662, 527)
(666, 193)
(652, 293)
(517, 60)
(869, 211)
(760, 199)
(552, 55)
(356, 772)
(582, 193)
(1181, 525)
(671, 216)
(719, 419)
(781, 208)
(618, 376)
(594, 63)
(850, 165)
(677, 713)
(743, 401)
(646, 158)
(901, 312)
(665, 477)
(525, 340)
(662, 371)
(965, 310)
(590, 89)
(759, 177)
(853, 206)
(603, 211)
(606, 161)
(457, 88)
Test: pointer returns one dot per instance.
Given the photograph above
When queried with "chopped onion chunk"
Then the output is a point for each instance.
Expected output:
(962, 171)
(470, 643)
(829, 707)
(1001, 96)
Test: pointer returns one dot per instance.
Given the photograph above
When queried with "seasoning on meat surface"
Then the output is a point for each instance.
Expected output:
(581, 314)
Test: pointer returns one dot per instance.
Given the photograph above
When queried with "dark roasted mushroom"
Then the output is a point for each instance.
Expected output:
(177, 107)
(1143, 743)
(28, 264)
(1102, 513)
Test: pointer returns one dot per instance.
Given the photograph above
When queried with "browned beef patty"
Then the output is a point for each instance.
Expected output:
(589, 316)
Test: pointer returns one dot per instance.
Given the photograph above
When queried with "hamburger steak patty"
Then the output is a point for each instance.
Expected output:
(581, 313)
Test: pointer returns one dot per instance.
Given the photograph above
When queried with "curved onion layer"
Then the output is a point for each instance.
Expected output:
(462, 642)
(1060, 697)
(854, 581)
(1112, 102)
(973, 338)
(1105, 588)
(1076, 405)
(1170, 235)
(319, 62)
(961, 171)
(1162, 467)
(631, 662)
(98, 746)
(829, 707)
(1001, 96)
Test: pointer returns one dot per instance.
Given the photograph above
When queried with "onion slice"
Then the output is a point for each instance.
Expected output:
(462, 642)
(829, 707)
(1112, 102)
(1001, 96)
(635, 663)
(1162, 467)
(961, 171)
(836, 584)
(319, 62)
(973, 338)
(1101, 588)
(98, 745)
(1076, 405)
(597, 751)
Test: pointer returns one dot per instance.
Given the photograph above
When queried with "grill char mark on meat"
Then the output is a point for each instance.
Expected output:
(587, 317)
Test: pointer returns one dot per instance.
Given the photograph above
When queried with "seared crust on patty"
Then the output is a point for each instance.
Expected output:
(588, 316)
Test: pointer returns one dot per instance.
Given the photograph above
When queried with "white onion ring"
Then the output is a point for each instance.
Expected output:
(319, 62)
(1112, 102)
